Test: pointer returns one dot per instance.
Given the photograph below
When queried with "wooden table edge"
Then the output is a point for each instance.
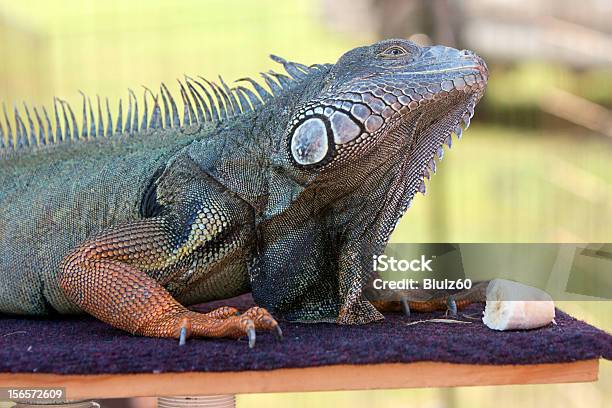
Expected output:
(323, 378)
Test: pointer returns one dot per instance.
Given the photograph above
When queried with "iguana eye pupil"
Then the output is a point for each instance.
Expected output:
(309, 142)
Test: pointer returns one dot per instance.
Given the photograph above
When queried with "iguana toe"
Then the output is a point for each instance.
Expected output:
(264, 321)
(451, 306)
(278, 333)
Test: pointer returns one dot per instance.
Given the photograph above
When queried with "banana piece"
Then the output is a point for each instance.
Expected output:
(512, 305)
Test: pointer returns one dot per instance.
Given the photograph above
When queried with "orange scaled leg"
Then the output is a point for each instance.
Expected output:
(106, 278)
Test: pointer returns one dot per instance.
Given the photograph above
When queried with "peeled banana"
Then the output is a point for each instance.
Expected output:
(515, 306)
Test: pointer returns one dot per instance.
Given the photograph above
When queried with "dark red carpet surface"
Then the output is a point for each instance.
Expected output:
(83, 345)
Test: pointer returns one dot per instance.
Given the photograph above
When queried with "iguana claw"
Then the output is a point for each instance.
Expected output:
(183, 336)
(251, 334)
(451, 306)
(278, 333)
(405, 306)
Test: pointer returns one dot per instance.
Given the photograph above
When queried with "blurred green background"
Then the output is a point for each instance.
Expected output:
(535, 166)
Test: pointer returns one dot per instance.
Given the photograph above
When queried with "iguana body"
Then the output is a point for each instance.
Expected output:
(288, 199)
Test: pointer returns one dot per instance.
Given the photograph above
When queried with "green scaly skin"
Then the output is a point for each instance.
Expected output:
(288, 199)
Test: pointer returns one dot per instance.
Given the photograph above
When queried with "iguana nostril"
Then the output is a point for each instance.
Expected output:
(480, 63)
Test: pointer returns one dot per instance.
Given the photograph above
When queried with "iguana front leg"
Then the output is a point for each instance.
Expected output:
(121, 276)
(104, 277)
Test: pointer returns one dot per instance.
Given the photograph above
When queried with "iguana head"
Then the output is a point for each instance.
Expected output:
(374, 91)
(390, 102)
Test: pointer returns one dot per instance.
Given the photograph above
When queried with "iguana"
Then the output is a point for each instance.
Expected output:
(286, 192)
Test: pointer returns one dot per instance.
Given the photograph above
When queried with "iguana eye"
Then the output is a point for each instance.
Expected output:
(394, 51)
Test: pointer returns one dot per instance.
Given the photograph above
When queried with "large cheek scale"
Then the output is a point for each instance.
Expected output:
(309, 143)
